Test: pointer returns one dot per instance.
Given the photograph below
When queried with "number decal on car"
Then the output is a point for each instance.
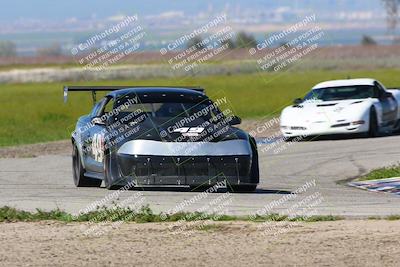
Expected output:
(189, 131)
(98, 147)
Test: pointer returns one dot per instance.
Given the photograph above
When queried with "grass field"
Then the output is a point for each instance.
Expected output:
(32, 113)
(145, 214)
(382, 173)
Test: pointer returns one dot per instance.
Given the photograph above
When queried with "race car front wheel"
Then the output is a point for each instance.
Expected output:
(78, 172)
(373, 124)
(109, 166)
(254, 173)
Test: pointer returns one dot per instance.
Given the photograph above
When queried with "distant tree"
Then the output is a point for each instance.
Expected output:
(229, 42)
(284, 43)
(196, 41)
(8, 49)
(368, 40)
(245, 40)
(53, 50)
(392, 13)
(396, 40)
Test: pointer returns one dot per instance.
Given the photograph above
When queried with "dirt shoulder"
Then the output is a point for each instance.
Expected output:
(35, 150)
(339, 243)
(258, 128)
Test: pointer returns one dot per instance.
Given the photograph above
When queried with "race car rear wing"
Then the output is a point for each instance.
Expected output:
(94, 89)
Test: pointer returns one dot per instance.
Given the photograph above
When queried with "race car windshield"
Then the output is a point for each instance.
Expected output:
(173, 110)
(341, 93)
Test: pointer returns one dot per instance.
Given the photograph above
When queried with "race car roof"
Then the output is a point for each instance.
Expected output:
(161, 94)
(348, 82)
(189, 92)
(157, 90)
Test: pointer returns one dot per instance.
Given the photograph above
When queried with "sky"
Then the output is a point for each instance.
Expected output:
(39, 23)
(63, 9)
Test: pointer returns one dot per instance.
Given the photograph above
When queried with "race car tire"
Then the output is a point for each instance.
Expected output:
(288, 139)
(373, 124)
(78, 172)
(109, 166)
(199, 188)
(397, 127)
(254, 169)
(254, 173)
(242, 188)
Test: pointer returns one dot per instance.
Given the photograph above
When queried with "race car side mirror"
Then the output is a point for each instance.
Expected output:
(297, 101)
(388, 95)
(98, 121)
(383, 95)
(235, 120)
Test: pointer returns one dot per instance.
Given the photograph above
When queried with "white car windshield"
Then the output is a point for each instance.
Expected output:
(342, 93)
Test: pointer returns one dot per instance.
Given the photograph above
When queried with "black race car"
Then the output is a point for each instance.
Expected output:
(161, 136)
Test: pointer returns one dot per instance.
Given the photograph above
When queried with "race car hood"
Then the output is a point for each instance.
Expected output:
(322, 111)
(171, 137)
(183, 130)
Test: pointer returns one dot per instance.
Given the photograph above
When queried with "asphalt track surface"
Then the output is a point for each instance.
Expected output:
(45, 182)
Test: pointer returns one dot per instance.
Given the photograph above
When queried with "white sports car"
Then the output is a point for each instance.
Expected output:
(343, 107)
